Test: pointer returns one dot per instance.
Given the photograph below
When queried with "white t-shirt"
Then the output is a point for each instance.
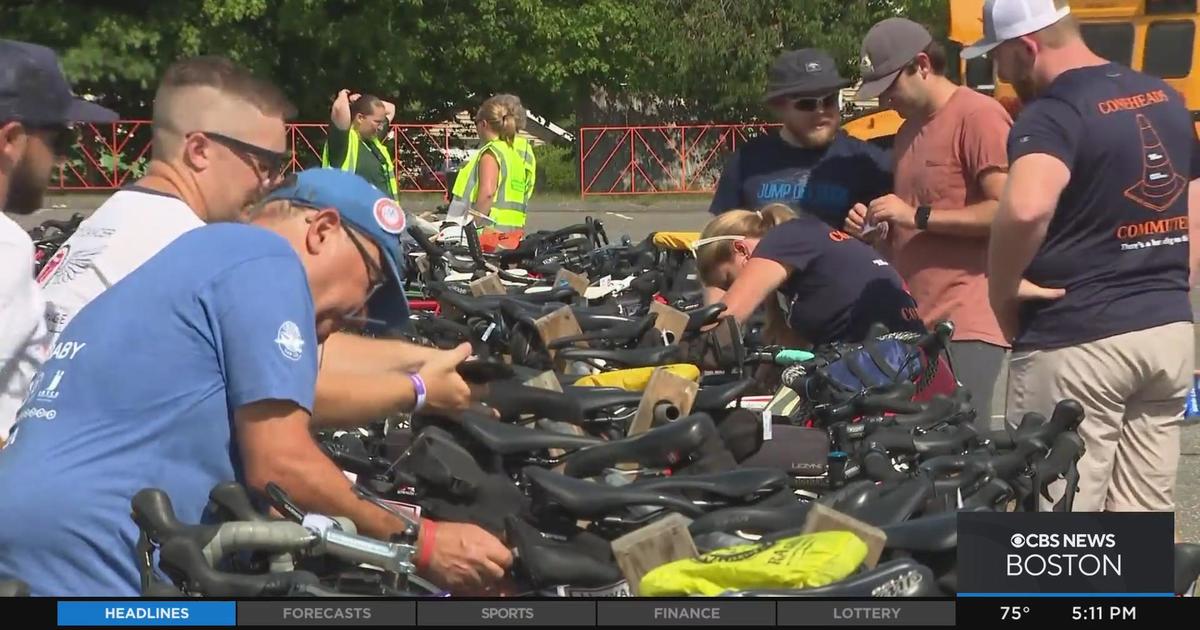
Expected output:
(24, 342)
(124, 232)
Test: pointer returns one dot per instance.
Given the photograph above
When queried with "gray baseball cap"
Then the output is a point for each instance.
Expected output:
(888, 47)
(34, 90)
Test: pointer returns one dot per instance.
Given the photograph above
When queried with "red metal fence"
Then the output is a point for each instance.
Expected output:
(655, 160)
(641, 160)
(109, 156)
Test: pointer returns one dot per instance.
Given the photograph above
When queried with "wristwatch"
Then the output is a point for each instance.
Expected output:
(923, 217)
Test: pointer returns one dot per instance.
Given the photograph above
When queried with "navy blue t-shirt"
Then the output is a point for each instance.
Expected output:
(140, 392)
(824, 182)
(838, 285)
(1118, 242)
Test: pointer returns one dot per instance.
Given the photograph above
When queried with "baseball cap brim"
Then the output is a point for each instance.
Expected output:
(875, 87)
(389, 304)
(89, 112)
(979, 48)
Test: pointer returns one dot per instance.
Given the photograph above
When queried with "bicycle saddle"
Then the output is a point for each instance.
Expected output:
(881, 504)
(13, 588)
(513, 399)
(584, 560)
(618, 334)
(717, 397)
(928, 534)
(663, 446)
(731, 484)
(1187, 566)
(898, 578)
(702, 317)
(592, 400)
(581, 498)
(510, 439)
(752, 519)
(637, 357)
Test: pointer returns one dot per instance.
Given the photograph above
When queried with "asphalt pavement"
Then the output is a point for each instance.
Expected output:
(638, 216)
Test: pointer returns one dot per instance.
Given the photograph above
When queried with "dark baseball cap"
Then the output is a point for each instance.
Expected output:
(34, 90)
(888, 47)
(804, 72)
(369, 210)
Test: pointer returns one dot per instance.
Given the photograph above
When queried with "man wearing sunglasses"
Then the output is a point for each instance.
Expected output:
(200, 367)
(809, 165)
(36, 107)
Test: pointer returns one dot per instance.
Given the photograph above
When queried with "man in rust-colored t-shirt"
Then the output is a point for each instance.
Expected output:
(950, 167)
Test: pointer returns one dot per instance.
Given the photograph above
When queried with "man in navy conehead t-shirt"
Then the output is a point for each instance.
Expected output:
(1089, 254)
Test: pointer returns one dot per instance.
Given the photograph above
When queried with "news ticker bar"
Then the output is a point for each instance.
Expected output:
(1076, 609)
(449, 612)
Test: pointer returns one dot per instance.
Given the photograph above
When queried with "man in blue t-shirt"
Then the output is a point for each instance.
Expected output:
(1095, 219)
(200, 367)
(810, 164)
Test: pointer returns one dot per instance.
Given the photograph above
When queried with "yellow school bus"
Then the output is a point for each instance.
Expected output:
(1157, 37)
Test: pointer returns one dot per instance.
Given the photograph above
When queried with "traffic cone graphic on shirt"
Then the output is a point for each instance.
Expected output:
(1160, 185)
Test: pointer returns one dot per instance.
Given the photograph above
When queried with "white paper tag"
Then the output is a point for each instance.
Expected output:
(488, 333)
(605, 281)
(766, 421)
(351, 476)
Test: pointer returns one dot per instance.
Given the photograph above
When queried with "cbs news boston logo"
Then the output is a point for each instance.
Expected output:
(1048, 553)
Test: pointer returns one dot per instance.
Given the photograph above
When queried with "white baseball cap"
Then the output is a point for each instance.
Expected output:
(1009, 19)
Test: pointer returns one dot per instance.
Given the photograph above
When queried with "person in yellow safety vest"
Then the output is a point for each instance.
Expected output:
(355, 142)
(520, 144)
(492, 188)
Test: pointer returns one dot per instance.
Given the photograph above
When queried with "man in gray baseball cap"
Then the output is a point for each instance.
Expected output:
(950, 168)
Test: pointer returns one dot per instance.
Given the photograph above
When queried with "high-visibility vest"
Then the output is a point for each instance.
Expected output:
(508, 208)
(350, 163)
(524, 148)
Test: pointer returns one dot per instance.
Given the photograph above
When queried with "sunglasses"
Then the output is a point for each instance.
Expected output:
(62, 137)
(814, 103)
(270, 163)
(375, 275)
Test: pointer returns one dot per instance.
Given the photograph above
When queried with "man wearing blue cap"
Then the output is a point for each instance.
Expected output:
(36, 109)
(200, 367)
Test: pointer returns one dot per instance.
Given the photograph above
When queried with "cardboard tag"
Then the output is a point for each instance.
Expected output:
(545, 380)
(556, 325)
(571, 279)
(822, 518)
(663, 386)
(487, 285)
(642, 550)
(671, 321)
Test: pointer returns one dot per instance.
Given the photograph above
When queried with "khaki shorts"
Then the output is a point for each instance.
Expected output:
(1133, 388)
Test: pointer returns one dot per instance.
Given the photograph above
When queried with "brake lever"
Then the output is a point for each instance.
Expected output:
(282, 502)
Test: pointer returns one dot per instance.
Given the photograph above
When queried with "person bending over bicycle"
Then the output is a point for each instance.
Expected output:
(199, 367)
(824, 285)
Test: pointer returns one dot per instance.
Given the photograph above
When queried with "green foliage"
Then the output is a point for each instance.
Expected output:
(698, 59)
(558, 168)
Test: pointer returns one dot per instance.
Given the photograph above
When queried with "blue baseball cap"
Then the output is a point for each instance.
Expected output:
(33, 89)
(370, 211)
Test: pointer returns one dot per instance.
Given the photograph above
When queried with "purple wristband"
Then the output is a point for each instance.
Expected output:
(419, 388)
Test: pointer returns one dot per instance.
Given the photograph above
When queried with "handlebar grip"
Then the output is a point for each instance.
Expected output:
(424, 243)
(792, 357)
(1067, 449)
(153, 513)
(944, 442)
(891, 440)
(232, 497)
(1067, 416)
(272, 537)
(182, 559)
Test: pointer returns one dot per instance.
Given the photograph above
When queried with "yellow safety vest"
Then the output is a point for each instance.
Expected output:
(524, 148)
(508, 208)
(350, 163)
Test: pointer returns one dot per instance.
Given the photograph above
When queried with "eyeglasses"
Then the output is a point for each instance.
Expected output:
(375, 275)
(267, 162)
(814, 103)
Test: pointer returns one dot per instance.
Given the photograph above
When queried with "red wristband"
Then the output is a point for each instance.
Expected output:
(425, 551)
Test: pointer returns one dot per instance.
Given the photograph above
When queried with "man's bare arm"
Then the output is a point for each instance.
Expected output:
(349, 352)
(276, 446)
(347, 400)
(975, 219)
